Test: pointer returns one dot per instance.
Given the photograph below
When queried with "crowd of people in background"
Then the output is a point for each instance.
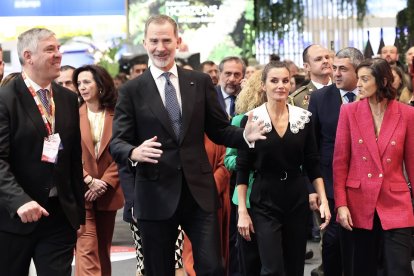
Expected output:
(222, 168)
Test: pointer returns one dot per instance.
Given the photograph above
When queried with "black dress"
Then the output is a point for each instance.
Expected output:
(279, 197)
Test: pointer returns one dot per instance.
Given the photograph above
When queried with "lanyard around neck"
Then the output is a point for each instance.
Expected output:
(48, 120)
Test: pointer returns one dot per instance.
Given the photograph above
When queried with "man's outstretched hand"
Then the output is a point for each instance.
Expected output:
(254, 130)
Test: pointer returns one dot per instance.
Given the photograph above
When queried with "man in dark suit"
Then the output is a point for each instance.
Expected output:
(325, 104)
(231, 71)
(159, 125)
(41, 186)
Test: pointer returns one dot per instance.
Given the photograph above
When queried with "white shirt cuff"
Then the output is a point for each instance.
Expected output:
(251, 145)
(133, 163)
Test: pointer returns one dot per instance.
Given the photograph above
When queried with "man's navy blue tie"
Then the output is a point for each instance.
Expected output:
(42, 93)
(350, 96)
(232, 105)
(171, 104)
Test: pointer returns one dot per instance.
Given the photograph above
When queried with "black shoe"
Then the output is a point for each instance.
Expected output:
(316, 238)
(309, 254)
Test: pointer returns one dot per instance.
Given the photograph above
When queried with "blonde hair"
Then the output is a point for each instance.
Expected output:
(252, 94)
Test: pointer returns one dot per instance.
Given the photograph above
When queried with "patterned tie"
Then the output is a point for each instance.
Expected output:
(232, 105)
(42, 93)
(350, 96)
(171, 104)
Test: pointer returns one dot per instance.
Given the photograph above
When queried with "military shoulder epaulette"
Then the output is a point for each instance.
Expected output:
(300, 89)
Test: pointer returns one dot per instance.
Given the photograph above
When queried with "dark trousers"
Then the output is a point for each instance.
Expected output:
(281, 241)
(249, 257)
(331, 249)
(50, 245)
(159, 237)
(377, 251)
(234, 262)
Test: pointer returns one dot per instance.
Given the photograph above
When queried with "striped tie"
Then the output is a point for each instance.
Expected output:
(42, 93)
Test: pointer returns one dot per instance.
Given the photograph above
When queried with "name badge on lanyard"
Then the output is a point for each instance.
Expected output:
(51, 144)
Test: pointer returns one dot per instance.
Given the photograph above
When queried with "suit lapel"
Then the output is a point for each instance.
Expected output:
(363, 118)
(334, 100)
(151, 96)
(107, 131)
(390, 122)
(30, 107)
(60, 110)
(85, 130)
(220, 98)
(188, 94)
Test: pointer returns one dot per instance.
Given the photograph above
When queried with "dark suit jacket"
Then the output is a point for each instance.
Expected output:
(23, 176)
(325, 104)
(220, 98)
(127, 180)
(140, 114)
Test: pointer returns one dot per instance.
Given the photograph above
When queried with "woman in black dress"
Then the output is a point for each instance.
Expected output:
(279, 197)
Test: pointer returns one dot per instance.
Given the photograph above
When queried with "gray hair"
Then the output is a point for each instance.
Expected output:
(161, 19)
(28, 41)
(232, 58)
(354, 55)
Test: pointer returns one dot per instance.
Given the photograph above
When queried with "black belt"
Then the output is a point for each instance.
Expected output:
(281, 175)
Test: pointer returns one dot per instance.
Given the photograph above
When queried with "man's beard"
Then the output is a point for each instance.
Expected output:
(160, 63)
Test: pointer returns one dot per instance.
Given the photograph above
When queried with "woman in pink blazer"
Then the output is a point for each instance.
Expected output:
(103, 194)
(374, 139)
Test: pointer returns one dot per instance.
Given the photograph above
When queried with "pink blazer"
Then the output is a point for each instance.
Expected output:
(368, 175)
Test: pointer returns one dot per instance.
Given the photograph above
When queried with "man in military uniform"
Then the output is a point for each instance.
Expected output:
(317, 62)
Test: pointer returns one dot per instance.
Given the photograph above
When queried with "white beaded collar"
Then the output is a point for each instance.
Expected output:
(298, 117)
